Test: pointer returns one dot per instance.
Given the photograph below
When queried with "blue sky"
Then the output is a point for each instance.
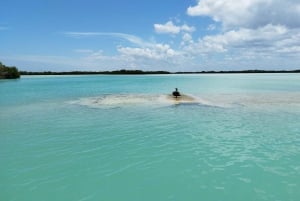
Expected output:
(173, 35)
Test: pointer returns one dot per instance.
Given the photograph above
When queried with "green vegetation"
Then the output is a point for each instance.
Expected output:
(241, 71)
(7, 72)
(140, 72)
(116, 72)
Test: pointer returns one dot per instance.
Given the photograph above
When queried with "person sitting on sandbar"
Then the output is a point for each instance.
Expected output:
(176, 93)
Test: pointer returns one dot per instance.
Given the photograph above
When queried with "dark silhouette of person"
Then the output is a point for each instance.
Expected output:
(176, 93)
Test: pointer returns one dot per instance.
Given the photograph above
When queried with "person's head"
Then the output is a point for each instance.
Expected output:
(176, 89)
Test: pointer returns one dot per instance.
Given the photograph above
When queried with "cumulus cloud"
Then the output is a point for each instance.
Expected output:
(170, 28)
(158, 57)
(251, 29)
(249, 13)
(250, 36)
(269, 39)
(139, 53)
(187, 28)
(186, 38)
(158, 52)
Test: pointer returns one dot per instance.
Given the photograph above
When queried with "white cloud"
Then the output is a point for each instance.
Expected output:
(269, 46)
(158, 52)
(249, 13)
(170, 28)
(187, 28)
(187, 38)
(267, 40)
(262, 33)
(157, 57)
(142, 55)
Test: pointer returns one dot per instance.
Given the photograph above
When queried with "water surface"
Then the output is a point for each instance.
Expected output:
(120, 138)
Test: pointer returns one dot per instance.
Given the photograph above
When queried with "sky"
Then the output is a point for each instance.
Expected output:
(171, 35)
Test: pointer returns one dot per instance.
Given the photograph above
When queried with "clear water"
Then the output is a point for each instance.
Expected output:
(117, 138)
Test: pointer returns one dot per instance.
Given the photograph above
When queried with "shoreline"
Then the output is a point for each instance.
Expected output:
(139, 72)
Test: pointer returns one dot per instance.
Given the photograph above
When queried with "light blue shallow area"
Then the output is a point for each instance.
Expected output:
(82, 138)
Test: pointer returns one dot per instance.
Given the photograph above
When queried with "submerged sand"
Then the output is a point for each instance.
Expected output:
(120, 100)
(182, 99)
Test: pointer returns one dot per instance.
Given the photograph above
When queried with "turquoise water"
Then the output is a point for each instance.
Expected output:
(120, 138)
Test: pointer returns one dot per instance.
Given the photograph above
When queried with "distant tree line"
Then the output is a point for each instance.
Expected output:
(116, 72)
(241, 71)
(7, 72)
(140, 72)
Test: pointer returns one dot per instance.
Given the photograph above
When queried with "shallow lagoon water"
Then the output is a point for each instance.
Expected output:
(120, 138)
